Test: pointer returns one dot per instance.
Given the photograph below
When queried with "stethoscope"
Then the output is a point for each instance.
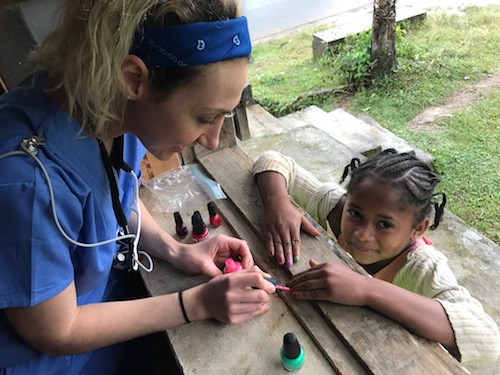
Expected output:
(127, 257)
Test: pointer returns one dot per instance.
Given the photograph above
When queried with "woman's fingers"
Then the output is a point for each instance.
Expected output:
(243, 317)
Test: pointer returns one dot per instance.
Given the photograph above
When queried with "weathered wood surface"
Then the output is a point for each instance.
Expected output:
(337, 339)
(210, 347)
(380, 344)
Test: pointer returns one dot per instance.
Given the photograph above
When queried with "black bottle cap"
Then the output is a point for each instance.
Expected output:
(291, 346)
(272, 280)
(212, 211)
(198, 224)
(178, 219)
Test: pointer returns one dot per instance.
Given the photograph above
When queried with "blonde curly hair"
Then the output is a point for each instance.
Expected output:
(84, 55)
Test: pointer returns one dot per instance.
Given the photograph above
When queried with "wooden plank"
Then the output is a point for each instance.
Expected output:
(369, 335)
(210, 347)
(241, 122)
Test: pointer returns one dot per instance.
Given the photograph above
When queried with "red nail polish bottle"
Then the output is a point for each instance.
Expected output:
(200, 231)
(215, 219)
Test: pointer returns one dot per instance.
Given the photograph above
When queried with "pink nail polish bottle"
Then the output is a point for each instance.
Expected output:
(232, 265)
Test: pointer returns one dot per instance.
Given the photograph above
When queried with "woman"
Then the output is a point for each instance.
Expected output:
(114, 79)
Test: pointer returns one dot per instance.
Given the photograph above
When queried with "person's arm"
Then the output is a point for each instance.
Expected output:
(476, 333)
(282, 221)
(336, 283)
(59, 326)
(279, 176)
(421, 315)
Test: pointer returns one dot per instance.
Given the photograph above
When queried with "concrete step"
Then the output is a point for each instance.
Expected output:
(310, 147)
(262, 123)
(353, 138)
(358, 134)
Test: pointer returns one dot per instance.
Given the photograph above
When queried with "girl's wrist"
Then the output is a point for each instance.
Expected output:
(277, 202)
(369, 291)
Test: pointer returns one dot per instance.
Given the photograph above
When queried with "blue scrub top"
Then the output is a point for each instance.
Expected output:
(37, 261)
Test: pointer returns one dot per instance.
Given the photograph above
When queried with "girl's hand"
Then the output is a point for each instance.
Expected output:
(330, 282)
(282, 225)
(208, 257)
(231, 298)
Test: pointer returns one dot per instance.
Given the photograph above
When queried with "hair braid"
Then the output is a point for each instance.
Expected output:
(404, 171)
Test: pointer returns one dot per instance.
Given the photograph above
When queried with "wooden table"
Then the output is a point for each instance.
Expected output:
(336, 338)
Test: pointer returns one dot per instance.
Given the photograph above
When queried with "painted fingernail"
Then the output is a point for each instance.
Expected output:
(295, 259)
(294, 294)
(271, 253)
(288, 262)
(281, 260)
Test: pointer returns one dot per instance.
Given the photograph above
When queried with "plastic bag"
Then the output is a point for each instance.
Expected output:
(184, 188)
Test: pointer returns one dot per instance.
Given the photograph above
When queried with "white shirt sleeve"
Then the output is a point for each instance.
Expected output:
(427, 273)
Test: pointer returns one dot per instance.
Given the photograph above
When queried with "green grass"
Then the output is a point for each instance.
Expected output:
(452, 52)
(467, 156)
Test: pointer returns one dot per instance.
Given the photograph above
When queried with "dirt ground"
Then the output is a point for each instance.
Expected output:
(426, 120)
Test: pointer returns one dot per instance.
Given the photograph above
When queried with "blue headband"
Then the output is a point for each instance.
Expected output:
(192, 44)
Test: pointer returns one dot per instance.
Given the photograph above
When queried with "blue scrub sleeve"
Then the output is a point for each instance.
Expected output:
(36, 261)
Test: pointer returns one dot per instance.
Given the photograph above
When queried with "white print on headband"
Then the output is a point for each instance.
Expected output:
(201, 45)
(236, 40)
(164, 52)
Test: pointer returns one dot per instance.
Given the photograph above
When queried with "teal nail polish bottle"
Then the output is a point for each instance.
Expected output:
(291, 353)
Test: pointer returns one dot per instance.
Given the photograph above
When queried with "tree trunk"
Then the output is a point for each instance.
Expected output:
(383, 52)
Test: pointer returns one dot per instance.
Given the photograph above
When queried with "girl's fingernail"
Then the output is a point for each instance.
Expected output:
(281, 260)
(271, 254)
(288, 262)
(294, 294)
(295, 259)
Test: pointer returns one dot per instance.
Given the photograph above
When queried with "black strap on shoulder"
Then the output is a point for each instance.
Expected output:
(116, 156)
(115, 160)
(108, 166)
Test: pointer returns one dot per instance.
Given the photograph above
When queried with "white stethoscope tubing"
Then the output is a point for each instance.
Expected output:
(135, 263)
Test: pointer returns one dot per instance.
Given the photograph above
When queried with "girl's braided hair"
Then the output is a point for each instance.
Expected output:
(404, 171)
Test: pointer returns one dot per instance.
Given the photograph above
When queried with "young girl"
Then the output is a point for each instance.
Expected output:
(380, 221)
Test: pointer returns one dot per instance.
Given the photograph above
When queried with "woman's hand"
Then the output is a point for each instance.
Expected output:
(282, 225)
(330, 282)
(208, 257)
(230, 298)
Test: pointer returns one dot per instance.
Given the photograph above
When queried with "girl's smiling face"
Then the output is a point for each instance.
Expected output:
(377, 223)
